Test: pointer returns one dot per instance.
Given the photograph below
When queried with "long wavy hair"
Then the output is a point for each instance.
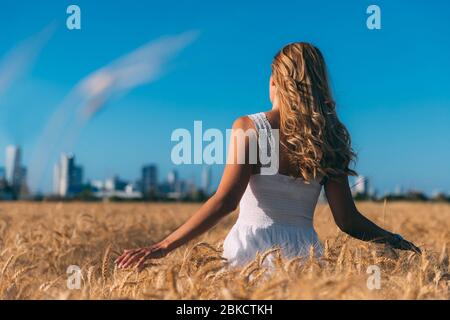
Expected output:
(317, 143)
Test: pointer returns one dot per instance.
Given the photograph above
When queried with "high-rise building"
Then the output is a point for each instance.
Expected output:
(172, 180)
(67, 176)
(13, 169)
(56, 179)
(23, 178)
(5, 191)
(66, 167)
(149, 183)
(206, 179)
(77, 179)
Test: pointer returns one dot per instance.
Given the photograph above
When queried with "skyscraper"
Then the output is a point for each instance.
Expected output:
(13, 170)
(23, 177)
(172, 180)
(67, 176)
(149, 179)
(15, 174)
(77, 179)
(56, 179)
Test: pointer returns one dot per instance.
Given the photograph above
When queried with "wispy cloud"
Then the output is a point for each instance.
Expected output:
(138, 67)
(17, 62)
(90, 95)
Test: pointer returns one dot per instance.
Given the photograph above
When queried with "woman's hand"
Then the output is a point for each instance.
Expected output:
(397, 242)
(137, 257)
(352, 222)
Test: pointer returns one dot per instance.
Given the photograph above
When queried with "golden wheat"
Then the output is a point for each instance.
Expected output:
(38, 241)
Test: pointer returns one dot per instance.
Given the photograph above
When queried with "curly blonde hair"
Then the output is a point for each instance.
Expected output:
(317, 143)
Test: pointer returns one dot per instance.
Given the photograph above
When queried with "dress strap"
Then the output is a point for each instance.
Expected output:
(257, 121)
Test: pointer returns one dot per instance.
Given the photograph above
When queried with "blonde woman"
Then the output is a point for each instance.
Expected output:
(313, 152)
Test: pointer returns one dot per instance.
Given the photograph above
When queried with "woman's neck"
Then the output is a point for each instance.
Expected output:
(275, 104)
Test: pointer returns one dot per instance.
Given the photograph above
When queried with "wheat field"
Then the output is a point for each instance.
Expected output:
(39, 241)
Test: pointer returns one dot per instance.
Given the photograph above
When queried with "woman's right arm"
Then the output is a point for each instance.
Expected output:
(232, 186)
(352, 222)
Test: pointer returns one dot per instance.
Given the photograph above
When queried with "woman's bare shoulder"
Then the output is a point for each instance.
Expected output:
(244, 123)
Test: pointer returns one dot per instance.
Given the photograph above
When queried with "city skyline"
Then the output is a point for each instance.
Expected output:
(396, 115)
(69, 181)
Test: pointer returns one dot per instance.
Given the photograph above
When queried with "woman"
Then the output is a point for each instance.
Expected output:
(276, 210)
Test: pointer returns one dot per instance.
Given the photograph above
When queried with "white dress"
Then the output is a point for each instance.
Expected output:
(275, 211)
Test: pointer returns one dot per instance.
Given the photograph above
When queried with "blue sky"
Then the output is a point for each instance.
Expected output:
(391, 85)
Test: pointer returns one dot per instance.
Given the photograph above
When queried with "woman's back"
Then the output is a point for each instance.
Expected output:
(271, 120)
(276, 210)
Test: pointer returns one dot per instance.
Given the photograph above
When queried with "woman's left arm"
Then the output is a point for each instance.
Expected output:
(232, 186)
(352, 222)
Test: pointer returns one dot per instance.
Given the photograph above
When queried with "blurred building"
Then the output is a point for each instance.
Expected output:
(115, 184)
(5, 190)
(149, 180)
(173, 181)
(12, 169)
(67, 176)
(97, 185)
(191, 187)
(15, 174)
(114, 188)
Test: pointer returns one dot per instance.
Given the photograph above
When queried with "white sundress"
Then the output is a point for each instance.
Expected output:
(275, 211)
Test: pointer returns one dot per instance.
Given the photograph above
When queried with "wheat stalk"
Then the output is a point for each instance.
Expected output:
(7, 263)
(105, 263)
(341, 257)
(21, 272)
(267, 254)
